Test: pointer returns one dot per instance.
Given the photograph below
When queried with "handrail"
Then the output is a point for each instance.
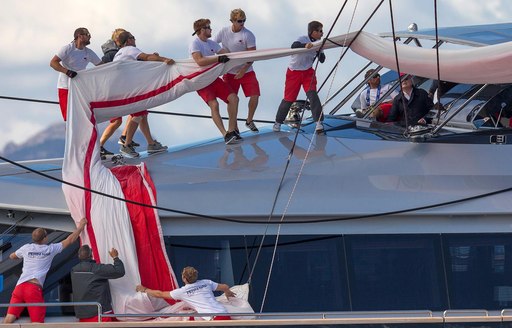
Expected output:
(475, 311)
(321, 315)
(51, 304)
(473, 96)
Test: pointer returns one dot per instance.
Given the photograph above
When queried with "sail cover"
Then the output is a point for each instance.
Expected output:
(121, 88)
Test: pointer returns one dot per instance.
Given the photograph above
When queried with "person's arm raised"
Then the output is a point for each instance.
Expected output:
(75, 234)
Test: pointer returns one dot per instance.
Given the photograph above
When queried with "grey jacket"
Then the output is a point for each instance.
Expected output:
(90, 284)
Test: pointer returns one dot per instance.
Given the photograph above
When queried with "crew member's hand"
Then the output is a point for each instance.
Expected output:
(223, 59)
(140, 288)
(71, 73)
(240, 73)
(113, 253)
(229, 293)
(82, 223)
(309, 45)
(169, 61)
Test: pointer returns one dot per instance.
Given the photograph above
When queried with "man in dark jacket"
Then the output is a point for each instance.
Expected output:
(416, 101)
(90, 283)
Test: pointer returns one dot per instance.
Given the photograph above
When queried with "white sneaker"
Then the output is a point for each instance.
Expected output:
(319, 127)
(276, 127)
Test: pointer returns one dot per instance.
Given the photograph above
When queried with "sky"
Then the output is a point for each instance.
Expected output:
(33, 31)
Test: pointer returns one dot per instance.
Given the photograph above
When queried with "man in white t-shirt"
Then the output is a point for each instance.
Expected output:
(70, 59)
(198, 294)
(37, 259)
(373, 93)
(203, 51)
(237, 38)
(129, 51)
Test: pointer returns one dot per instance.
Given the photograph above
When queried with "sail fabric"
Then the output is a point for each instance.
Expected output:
(474, 65)
(96, 95)
(121, 88)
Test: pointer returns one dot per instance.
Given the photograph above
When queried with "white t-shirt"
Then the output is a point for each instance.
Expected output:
(235, 42)
(368, 96)
(199, 296)
(206, 48)
(76, 60)
(302, 61)
(37, 260)
(127, 53)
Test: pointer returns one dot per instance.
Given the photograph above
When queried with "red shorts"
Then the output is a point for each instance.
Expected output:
(296, 79)
(217, 89)
(63, 102)
(249, 83)
(142, 113)
(28, 292)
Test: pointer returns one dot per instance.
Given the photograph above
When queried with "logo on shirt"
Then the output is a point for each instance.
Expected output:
(38, 254)
(192, 291)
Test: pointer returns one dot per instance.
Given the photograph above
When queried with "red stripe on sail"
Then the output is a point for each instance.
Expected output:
(149, 94)
(154, 269)
(87, 185)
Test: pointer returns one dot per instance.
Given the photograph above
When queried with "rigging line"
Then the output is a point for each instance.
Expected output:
(30, 100)
(203, 116)
(150, 111)
(344, 42)
(437, 61)
(404, 103)
(290, 154)
(350, 43)
(408, 210)
(278, 234)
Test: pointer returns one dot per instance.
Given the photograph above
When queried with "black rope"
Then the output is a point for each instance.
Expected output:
(407, 210)
(437, 61)
(404, 102)
(350, 43)
(30, 100)
(150, 111)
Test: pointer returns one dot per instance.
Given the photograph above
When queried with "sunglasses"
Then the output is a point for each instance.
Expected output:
(86, 34)
(207, 27)
(376, 77)
(241, 21)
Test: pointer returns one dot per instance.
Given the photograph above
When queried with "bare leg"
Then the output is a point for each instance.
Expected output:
(214, 106)
(144, 128)
(253, 104)
(109, 131)
(232, 112)
(131, 127)
(126, 126)
(9, 318)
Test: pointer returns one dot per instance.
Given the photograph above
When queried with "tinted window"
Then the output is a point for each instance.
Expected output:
(479, 269)
(308, 272)
(396, 272)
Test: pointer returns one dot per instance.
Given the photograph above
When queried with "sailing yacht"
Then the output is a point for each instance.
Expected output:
(367, 216)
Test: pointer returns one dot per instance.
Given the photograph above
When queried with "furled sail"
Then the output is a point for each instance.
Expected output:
(475, 65)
